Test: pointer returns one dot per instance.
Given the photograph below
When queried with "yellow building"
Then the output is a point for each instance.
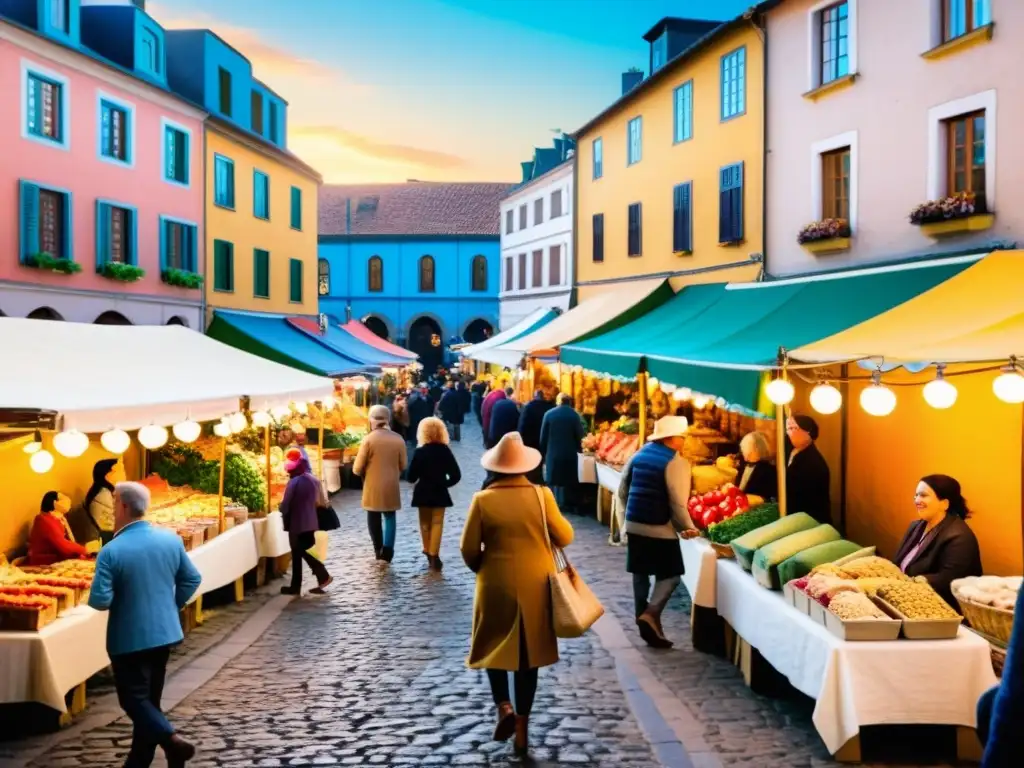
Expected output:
(669, 178)
(261, 225)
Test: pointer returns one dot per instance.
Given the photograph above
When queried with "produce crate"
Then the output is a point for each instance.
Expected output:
(816, 611)
(862, 629)
(789, 592)
(802, 601)
(723, 551)
(993, 622)
(17, 619)
(923, 629)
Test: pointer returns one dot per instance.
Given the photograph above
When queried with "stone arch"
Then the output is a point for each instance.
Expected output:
(44, 313)
(420, 339)
(178, 320)
(477, 329)
(110, 317)
(425, 315)
(375, 321)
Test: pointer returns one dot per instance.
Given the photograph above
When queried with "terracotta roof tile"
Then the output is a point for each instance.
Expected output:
(413, 208)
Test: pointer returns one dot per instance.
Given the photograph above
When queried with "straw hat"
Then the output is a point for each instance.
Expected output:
(379, 416)
(510, 456)
(670, 426)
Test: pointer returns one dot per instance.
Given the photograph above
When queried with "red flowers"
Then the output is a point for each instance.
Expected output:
(827, 229)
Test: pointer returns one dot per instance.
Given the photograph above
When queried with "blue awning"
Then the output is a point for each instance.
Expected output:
(340, 340)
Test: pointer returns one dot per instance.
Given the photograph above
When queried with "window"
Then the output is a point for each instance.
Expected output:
(427, 274)
(115, 128)
(295, 281)
(835, 181)
(273, 121)
(261, 274)
(257, 112)
(734, 83)
(375, 275)
(522, 216)
(634, 237)
(116, 234)
(598, 158)
(522, 272)
(151, 51)
(296, 208)
(479, 277)
(682, 218)
(223, 266)
(224, 81)
(965, 158)
(59, 14)
(223, 182)
(509, 222)
(45, 108)
(178, 245)
(537, 263)
(730, 204)
(659, 52)
(510, 275)
(598, 235)
(176, 157)
(260, 195)
(323, 277)
(45, 221)
(635, 136)
(835, 43)
(962, 16)
(683, 112)
(555, 265)
(556, 204)
(538, 211)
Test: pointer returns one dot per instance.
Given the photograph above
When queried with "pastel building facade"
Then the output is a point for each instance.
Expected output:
(537, 236)
(875, 108)
(101, 184)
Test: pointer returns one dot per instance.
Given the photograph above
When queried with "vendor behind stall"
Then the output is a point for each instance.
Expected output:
(99, 501)
(757, 475)
(51, 540)
(940, 546)
(807, 475)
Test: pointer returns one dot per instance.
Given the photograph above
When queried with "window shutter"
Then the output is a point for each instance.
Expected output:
(737, 202)
(105, 140)
(133, 228)
(687, 217)
(69, 253)
(163, 246)
(29, 220)
(219, 266)
(730, 213)
(681, 218)
(102, 233)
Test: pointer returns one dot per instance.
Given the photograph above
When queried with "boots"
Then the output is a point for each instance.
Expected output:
(522, 743)
(506, 725)
(178, 751)
(387, 554)
(435, 562)
(650, 630)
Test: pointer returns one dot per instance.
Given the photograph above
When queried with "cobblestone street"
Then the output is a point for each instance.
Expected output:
(374, 674)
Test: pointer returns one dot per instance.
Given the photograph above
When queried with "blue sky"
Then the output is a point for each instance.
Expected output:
(385, 90)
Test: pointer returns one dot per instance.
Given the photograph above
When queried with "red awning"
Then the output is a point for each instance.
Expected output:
(367, 336)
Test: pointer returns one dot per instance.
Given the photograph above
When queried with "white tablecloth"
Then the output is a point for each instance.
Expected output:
(607, 477)
(271, 538)
(228, 557)
(701, 569)
(857, 683)
(587, 468)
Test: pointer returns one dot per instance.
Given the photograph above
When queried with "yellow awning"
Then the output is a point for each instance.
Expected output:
(975, 316)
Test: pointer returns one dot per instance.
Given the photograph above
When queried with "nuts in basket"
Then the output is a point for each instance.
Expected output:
(916, 600)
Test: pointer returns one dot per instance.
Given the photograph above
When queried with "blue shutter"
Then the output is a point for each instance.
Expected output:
(105, 129)
(69, 219)
(724, 206)
(168, 153)
(183, 156)
(737, 202)
(133, 223)
(687, 203)
(102, 233)
(681, 240)
(29, 220)
(191, 239)
(163, 244)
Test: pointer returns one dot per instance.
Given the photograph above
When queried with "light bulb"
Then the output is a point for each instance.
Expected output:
(116, 441)
(700, 401)
(1009, 386)
(301, 408)
(35, 445)
(939, 393)
(721, 402)
(329, 403)
(153, 436)
(682, 394)
(826, 399)
(238, 422)
(668, 389)
(877, 399)
(71, 443)
(187, 431)
(281, 412)
(780, 391)
(260, 419)
(41, 461)
(221, 429)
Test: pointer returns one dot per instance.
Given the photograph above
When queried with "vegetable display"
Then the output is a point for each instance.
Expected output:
(804, 562)
(728, 530)
(716, 506)
(855, 606)
(745, 546)
(767, 559)
(916, 600)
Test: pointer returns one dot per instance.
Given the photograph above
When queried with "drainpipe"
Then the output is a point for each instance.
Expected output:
(206, 240)
(573, 295)
(761, 28)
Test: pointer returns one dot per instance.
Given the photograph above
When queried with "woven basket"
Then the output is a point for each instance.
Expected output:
(998, 659)
(724, 551)
(994, 622)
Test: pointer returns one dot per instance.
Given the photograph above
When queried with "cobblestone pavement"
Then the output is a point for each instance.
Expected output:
(374, 674)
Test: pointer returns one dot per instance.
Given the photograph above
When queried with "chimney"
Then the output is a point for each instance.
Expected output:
(527, 170)
(560, 149)
(631, 80)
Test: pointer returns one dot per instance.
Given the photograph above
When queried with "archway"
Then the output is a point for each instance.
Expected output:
(378, 326)
(427, 341)
(110, 317)
(178, 321)
(477, 331)
(44, 313)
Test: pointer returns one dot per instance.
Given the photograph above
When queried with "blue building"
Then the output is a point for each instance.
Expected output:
(417, 262)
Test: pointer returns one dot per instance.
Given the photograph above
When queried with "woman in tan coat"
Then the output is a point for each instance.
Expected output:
(380, 462)
(504, 543)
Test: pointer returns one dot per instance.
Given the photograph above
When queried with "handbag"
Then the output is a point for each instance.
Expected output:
(574, 606)
(326, 517)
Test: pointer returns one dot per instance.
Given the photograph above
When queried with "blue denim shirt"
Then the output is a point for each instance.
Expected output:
(144, 578)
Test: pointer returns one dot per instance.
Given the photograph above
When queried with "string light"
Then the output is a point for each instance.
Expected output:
(71, 443)
(187, 431)
(115, 441)
(682, 394)
(301, 408)
(237, 422)
(153, 436)
(221, 429)
(1009, 385)
(700, 402)
(939, 393)
(281, 412)
(826, 399)
(780, 391)
(877, 399)
(41, 461)
(260, 419)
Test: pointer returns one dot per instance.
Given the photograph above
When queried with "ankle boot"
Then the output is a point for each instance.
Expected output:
(178, 751)
(387, 554)
(506, 725)
(522, 742)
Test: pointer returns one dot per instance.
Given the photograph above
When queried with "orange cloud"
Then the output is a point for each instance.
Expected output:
(344, 139)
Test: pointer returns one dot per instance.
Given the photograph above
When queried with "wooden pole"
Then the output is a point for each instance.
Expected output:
(266, 450)
(780, 455)
(320, 440)
(641, 383)
(220, 492)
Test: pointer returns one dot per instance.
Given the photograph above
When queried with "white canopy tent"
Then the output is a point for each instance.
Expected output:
(102, 376)
(488, 351)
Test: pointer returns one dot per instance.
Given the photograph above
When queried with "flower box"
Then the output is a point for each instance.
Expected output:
(122, 273)
(976, 223)
(829, 245)
(825, 236)
(52, 263)
(182, 279)
(951, 215)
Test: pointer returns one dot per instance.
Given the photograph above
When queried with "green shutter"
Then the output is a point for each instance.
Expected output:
(296, 208)
(191, 243)
(133, 240)
(223, 266)
(29, 220)
(296, 280)
(261, 273)
(163, 244)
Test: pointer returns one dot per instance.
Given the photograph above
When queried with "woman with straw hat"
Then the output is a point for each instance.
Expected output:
(380, 462)
(505, 542)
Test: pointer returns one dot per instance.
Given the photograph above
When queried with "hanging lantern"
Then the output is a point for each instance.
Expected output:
(1009, 385)
(187, 431)
(940, 393)
(35, 445)
(260, 419)
(71, 443)
(329, 403)
(301, 408)
(115, 441)
(221, 429)
(153, 436)
(826, 399)
(780, 391)
(877, 399)
(238, 422)
(700, 402)
(281, 412)
(41, 461)
(682, 394)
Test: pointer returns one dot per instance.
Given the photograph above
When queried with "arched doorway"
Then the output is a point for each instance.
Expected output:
(427, 341)
(110, 317)
(177, 321)
(44, 313)
(376, 325)
(477, 331)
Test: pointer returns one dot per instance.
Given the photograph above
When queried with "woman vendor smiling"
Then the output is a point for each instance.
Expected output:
(940, 546)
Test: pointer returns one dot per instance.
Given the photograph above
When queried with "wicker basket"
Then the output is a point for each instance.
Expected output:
(994, 622)
(724, 551)
(998, 659)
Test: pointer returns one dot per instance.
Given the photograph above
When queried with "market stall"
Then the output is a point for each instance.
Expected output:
(489, 351)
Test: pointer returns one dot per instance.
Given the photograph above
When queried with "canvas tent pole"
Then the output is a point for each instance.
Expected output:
(780, 444)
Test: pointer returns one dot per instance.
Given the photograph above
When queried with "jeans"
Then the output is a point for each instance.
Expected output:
(525, 681)
(431, 529)
(567, 497)
(383, 527)
(139, 679)
(455, 430)
(663, 589)
(301, 543)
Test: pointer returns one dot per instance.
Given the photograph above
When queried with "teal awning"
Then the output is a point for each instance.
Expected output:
(718, 339)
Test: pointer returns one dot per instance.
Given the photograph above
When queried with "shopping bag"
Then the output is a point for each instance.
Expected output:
(319, 548)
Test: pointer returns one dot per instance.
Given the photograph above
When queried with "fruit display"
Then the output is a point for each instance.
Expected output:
(732, 528)
(745, 546)
(189, 465)
(992, 591)
(616, 448)
(855, 606)
(30, 598)
(708, 477)
(765, 565)
(590, 443)
(916, 600)
(804, 562)
(716, 506)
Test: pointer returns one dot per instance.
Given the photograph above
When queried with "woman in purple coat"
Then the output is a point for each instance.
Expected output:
(298, 509)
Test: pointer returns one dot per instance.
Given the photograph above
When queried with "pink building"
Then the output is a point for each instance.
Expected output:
(101, 172)
(875, 107)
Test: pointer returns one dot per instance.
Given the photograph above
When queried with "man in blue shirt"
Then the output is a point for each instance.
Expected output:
(143, 578)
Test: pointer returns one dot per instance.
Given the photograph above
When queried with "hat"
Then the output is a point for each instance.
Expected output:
(379, 416)
(510, 456)
(670, 426)
(807, 424)
(292, 459)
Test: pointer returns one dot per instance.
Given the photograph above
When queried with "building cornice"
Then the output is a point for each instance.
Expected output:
(530, 187)
(237, 135)
(142, 298)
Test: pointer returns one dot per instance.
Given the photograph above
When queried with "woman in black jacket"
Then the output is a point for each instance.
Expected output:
(807, 476)
(757, 475)
(434, 470)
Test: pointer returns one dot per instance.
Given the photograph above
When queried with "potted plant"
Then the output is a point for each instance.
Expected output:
(952, 214)
(826, 236)
(182, 279)
(53, 263)
(122, 273)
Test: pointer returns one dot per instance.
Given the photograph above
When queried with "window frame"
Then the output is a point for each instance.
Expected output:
(323, 277)
(986, 101)
(374, 260)
(473, 283)
(831, 205)
(424, 260)
(969, 167)
(31, 69)
(225, 74)
(217, 160)
(537, 268)
(834, 48)
(510, 221)
(295, 207)
(230, 264)
(597, 157)
(677, 191)
(814, 42)
(741, 52)
(538, 208)
(105, 101)
(509, 278)
(256, 100)
(165, 127)
(638, 121)
(970, 18)
(148, 35)
(849, 139)
(522, 272)
(104, 218)
(191, 228)
(734, 237)
(556, 195)
(555, 262)
(258, 175)
(638, 208)
(596, 236)
(522, 217)
(256, 253)
(28, 187)
(65, 15)
(295, 281)
(687, 117)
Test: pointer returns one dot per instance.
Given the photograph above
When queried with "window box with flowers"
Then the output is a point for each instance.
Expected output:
(826, 236)
(951, 215)
(50, 263)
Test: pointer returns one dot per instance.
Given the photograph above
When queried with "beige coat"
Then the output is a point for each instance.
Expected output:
(380, 462)
(503, 542)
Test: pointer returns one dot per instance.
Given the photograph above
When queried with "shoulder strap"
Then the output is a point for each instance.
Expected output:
(543, 515)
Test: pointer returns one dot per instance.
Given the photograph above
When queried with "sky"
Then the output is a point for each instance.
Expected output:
(438, 90)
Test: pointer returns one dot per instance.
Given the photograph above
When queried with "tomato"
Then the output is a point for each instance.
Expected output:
(710, 517)
(716, 497)
(742, 502)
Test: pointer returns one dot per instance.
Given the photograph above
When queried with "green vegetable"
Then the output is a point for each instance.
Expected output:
(340, 440)
(180, 464)
(801, 564)
(767, 558)
(728, 530)
(745, 546)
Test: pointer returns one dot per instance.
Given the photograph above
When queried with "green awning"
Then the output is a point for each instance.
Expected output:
(718, 339)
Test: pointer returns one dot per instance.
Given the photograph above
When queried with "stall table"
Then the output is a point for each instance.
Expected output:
(700, 564)
(608, 479)
(272, 546)
(857, 684)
